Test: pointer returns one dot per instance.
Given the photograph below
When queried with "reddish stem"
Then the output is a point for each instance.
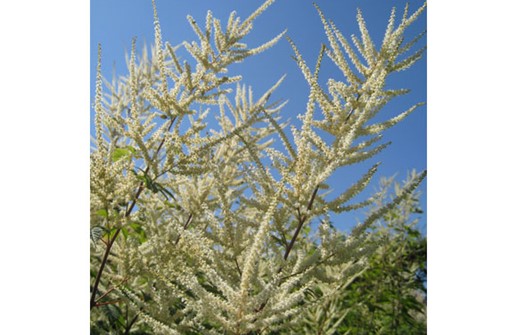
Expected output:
(111, 242)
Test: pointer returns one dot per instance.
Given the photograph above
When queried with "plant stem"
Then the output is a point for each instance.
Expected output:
(111, 289)
(110, 243)
(130, 325)
(103, 264)
(185, 226)
(291, 244)
(300, 223)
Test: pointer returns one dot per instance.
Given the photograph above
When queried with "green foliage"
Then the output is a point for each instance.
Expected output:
(116, 320)
(120, 153)
(389, 297)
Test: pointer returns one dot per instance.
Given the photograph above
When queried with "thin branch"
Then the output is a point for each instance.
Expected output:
(306, 269)
(238, 268)
(185, 226)
(108, 303)
(352, 111)
(131, 324)
(291, 244)
(127, 214)
(103, 264)
(111, 289)
(300, 223)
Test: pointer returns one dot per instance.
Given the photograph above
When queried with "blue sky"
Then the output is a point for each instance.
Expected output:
(114, 23)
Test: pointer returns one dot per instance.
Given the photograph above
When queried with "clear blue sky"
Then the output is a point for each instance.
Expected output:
(115, 22)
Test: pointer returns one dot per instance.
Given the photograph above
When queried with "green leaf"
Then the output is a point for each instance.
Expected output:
(111, 232)
(124, 232)
(172, 205)
(120, 153)
(164, 191)
(134, 229)
(103, 213)
(115, 316)
(96, 233)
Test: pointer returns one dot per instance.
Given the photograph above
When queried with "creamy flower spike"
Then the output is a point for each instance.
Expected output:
(216, 230)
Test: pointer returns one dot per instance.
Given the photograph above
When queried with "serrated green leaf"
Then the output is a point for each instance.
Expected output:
(96, 233)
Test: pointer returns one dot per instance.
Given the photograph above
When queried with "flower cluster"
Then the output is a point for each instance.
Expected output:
(206, 236)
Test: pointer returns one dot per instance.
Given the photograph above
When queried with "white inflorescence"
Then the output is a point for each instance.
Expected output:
(215, 224)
